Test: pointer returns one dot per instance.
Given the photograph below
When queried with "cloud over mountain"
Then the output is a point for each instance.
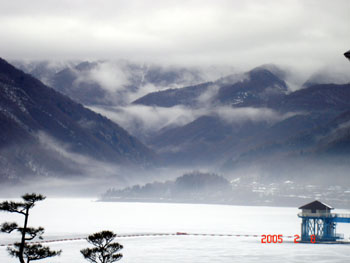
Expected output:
(303, 34)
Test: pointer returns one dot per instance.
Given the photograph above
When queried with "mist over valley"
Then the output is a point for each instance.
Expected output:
(154, 123)
(174, 131)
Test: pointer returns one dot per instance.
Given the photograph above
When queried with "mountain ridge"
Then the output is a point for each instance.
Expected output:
(255, 87)
(28, 107)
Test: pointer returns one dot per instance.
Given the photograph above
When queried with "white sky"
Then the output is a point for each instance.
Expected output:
(299, 33)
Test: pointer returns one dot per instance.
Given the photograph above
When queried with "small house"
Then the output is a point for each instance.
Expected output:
(316, 208)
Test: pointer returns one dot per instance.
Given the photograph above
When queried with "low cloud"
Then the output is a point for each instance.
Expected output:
(95, 173)
(127, 81)
(142, 91)
(339, 132)
(245, 33)
(244, 114)
(141, 120)
(110, 76)
(237, 115)
(331, 74)
(86, 164)
(206, 97)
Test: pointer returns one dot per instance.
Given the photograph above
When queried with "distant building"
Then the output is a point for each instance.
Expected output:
(319, 223)
(316, 207)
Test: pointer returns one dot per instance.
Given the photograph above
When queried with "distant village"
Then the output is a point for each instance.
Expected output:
(198, 187)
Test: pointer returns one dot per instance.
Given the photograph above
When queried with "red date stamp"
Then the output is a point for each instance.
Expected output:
(279, 239)
(271, 238)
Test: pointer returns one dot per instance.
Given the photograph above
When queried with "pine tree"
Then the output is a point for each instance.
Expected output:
(24, 251)
(104, 250)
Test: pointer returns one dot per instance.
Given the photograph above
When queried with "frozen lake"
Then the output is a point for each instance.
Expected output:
(74, 218)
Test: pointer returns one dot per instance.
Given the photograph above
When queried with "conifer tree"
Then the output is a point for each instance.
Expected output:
(23, 250)
(104, 250)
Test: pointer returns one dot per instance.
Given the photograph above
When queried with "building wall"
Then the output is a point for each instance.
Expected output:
(309, 211)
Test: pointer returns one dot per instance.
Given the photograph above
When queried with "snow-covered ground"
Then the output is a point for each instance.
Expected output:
(74, 218)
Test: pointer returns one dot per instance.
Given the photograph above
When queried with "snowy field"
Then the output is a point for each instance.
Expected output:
(74, 218)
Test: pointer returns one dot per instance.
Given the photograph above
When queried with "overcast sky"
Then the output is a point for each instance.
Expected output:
(301, 33)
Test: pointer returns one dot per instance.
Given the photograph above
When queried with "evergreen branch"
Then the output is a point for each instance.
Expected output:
(31, 199)
(101, 239)
(14, 252)
(9, 227)
(104, 250)
(13, 207)
(90, 254)
(33, 251)
(34, 232)
(37, 251)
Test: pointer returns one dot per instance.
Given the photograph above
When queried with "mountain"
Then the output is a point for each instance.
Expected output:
(255, 88)
(312, 122)
(107, 82)
(242, 122)
(334, 137)
(205, 140)
(76, 84)
(223, 130)
(187, 96)
(44, 131)
(43, 70)
(321, 97)
(170, 76)
(318, 149)
(70, 78)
